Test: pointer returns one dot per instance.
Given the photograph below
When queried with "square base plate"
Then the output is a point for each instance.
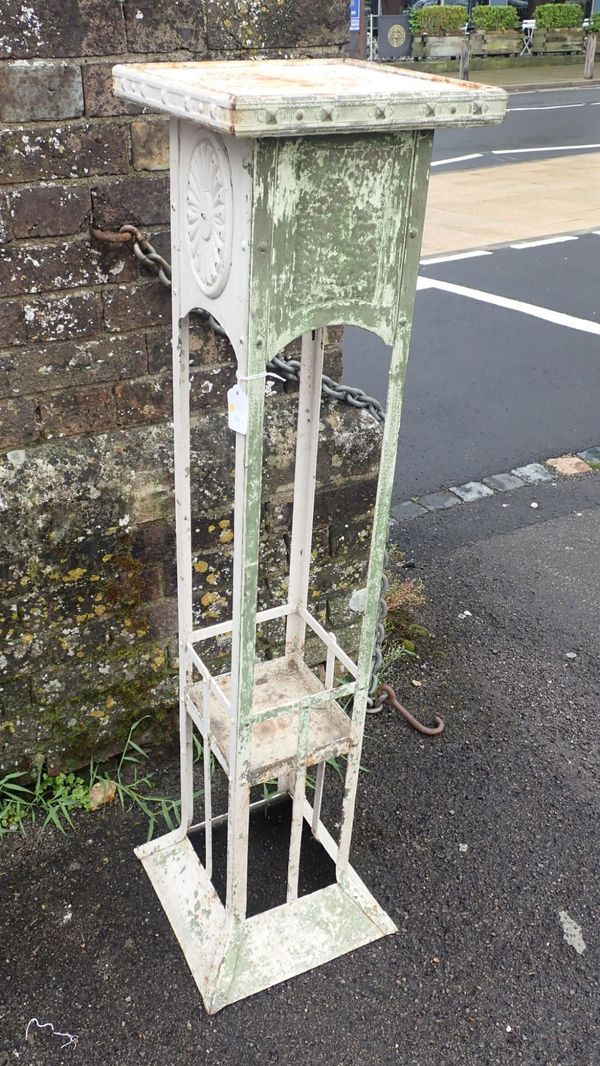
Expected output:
(231, 961)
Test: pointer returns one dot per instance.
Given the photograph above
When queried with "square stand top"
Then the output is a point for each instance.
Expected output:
(276, 98)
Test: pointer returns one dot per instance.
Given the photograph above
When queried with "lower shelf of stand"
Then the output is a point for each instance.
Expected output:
(274, 743)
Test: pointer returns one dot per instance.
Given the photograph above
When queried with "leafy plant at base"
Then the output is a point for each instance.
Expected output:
(491, 19)
(438, 21)
(52, 800)
(131, 786)
(558, 16)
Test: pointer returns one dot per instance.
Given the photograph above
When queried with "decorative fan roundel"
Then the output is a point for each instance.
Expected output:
(210, 214)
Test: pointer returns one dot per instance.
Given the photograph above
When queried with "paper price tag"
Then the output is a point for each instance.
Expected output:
(237, 409)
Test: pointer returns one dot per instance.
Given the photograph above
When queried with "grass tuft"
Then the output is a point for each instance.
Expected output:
(52, 801)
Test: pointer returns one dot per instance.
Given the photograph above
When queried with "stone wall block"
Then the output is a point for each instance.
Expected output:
(12, 323)
(149, 29)
(74, 264)
(15, 700)
(141, 201)
(352, 498)
(211, 534)
(207, 347)
(353, 441)
(213, 464)
(82, 410)
(63, 365)
(63, 317)
(98, 92)
(38, 90)
(6, 229)
(150, 144)
(148, 399)
(60, 28)
(136, 306)
(158, 346)
(154, 541)
(232, 26)
(18, 422)
(40, 153)
(50, 210)
(98, 675)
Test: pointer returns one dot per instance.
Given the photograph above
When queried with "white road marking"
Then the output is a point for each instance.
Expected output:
(572, 932)
(545, 107)
(552, 89)
(546, 240)
(452, 258)
(547, 148)
(457, 159)
(557, 318)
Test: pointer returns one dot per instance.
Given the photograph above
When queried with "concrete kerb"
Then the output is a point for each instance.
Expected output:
(551, 469)
(536, 86)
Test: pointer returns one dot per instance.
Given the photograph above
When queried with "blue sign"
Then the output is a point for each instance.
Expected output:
(354, 16)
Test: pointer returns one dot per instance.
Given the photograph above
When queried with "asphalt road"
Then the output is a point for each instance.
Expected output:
(538, 125)
(490, 388)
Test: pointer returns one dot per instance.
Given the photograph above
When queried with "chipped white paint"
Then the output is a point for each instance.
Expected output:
(248, 203)
(358, 600)
(572, 932)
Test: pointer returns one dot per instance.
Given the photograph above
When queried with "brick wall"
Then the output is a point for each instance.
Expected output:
(87, 580)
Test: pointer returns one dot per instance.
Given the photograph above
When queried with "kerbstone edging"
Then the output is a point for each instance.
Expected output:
(551, 469)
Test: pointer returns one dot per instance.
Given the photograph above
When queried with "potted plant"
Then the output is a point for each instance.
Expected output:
(558, 28)
(438, 31)
(496, 30)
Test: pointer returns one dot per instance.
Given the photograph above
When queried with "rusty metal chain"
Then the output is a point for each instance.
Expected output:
(333, 390)
(351, 395)
(147, 254)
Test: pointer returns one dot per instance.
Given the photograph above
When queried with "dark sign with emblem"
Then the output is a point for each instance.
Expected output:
(394, 36)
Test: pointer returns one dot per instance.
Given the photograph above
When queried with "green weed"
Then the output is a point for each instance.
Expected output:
(51, 801)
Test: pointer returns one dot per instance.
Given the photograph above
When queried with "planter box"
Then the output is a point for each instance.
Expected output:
(502, 42)
(477, 43)
(567, 40)
(443, 47)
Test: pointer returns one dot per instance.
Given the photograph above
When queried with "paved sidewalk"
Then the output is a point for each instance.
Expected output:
(550, 77)
(479, 207)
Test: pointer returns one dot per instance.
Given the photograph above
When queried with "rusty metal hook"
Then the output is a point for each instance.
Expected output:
(427, 730)
(110, 238)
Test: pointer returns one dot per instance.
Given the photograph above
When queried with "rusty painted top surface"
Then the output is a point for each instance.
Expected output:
(271, 98)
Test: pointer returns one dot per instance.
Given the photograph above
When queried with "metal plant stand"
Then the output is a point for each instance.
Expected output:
(297, 195)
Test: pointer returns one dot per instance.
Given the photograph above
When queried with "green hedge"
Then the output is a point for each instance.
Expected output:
(438, 20)
(488, 18)
(558, 16)
(594, 26)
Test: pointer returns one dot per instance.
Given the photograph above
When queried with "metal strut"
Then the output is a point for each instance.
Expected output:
(289, 369)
